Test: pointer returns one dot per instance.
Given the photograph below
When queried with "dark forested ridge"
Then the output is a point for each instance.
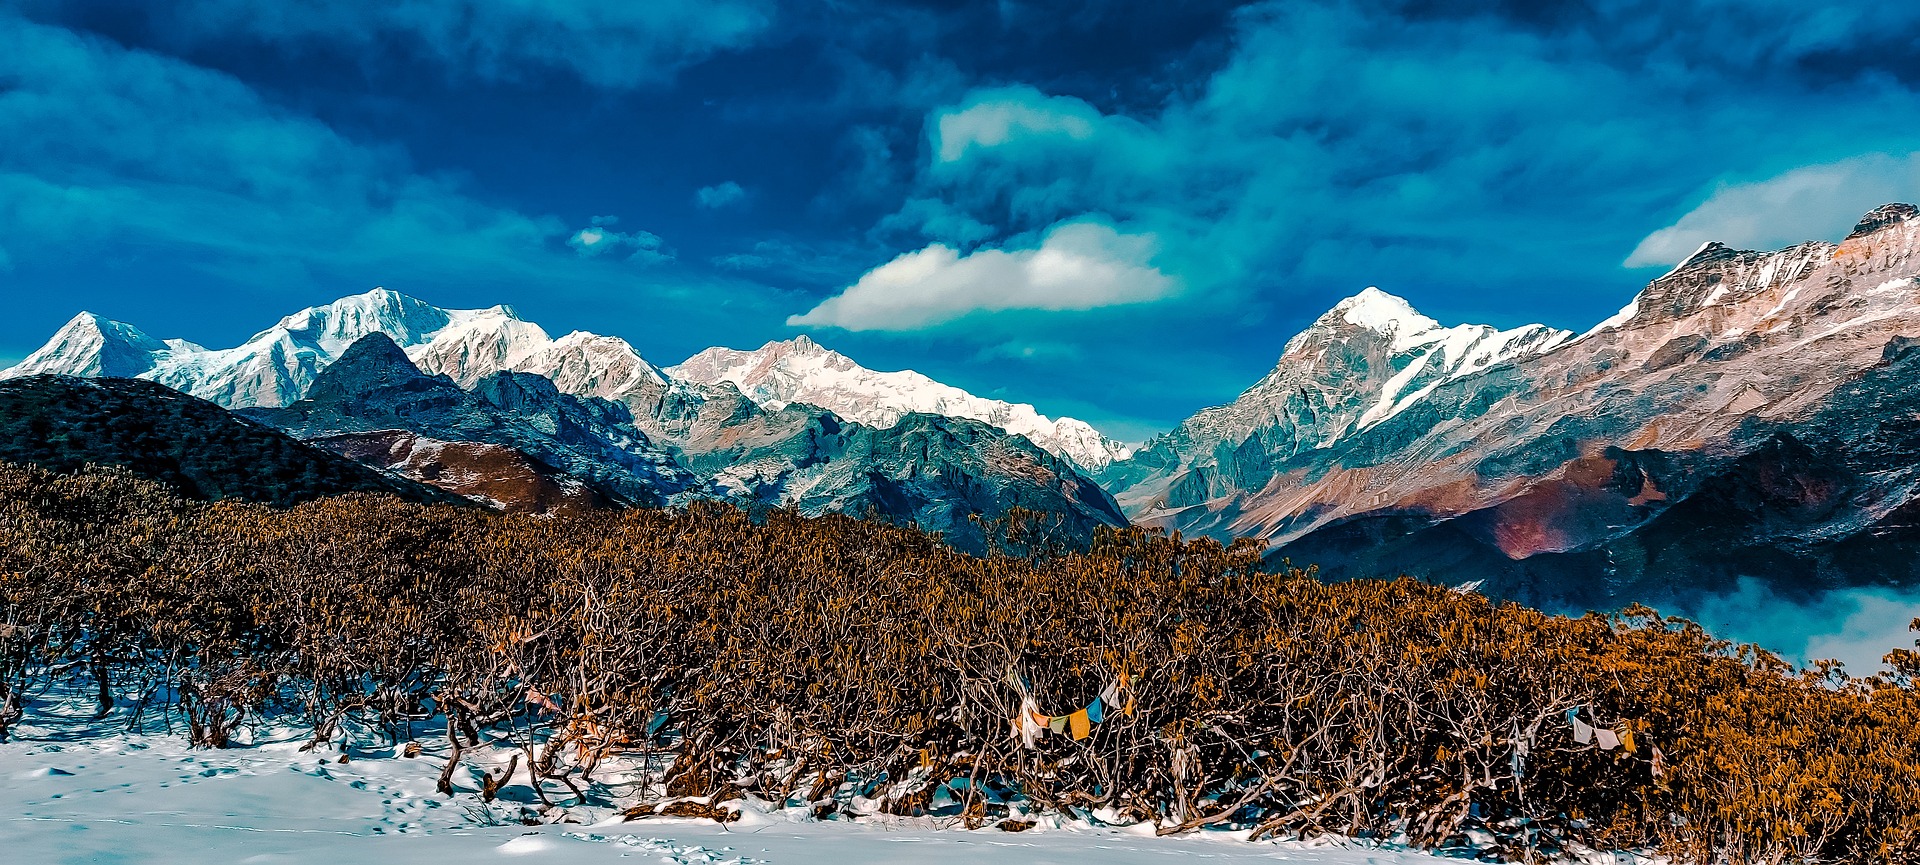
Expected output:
(196, 447)
(833, 661)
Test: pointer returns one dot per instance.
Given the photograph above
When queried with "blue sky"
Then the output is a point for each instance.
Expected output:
(1118, 211)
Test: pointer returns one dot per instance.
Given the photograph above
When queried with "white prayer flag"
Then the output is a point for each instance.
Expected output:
(1606, 739)
(1581, 732)
(1030, 730)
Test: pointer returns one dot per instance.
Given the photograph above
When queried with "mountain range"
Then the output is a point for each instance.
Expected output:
(486, 405)
(1747, 414)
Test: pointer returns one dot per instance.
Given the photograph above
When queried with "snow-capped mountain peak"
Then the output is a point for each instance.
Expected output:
(91, 345)
(479, 343)
(588, 364)
(800, 370)
(1369, 358)
(334, 326)
(1383, 313)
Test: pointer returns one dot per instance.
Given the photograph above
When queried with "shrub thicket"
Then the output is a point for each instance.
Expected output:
(831, 658)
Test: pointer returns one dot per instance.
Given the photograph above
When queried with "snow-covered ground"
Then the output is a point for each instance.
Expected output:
(72, 793)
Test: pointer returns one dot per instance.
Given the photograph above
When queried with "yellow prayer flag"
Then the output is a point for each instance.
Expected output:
(1626, 740)
(1082, 725)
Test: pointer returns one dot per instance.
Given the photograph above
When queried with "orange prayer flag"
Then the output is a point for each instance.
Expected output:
(1081, 724)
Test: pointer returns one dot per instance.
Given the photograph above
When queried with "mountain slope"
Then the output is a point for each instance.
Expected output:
(374, 387)
(1362, 363)
(801, 371)
(934, 471)
(498, 340)
(499, 476)
(63, 423)
(1581, 447)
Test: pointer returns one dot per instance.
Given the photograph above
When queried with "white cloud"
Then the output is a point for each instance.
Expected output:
(720, 195)
(1078, 266)
(1808, 203)
(994, 118)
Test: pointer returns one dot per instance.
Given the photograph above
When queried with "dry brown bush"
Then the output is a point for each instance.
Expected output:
(825, 659)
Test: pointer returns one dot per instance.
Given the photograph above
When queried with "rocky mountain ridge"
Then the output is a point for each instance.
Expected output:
(487, 405)
(274, 367)
(1566, 446)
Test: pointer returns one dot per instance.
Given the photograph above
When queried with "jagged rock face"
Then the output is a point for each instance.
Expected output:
(1578, 471)
(800, 371)
(494, 475)
(374, 387)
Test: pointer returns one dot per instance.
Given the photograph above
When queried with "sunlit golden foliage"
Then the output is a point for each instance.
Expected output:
(828, 658)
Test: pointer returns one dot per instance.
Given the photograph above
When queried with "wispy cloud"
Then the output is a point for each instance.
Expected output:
(720, 195)
(115, 148)
(1344, 145)
(600, 238)
(1803, 204)
(606, 44)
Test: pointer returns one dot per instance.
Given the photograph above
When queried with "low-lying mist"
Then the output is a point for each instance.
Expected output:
(1855, 626)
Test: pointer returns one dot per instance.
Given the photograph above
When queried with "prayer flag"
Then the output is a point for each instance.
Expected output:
(1096, 711)
(1626, 740)
(1110, 695)
(1057, 723)
(1606, 739)
(1581, 732)
(1082, 728)
(1031, 724)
